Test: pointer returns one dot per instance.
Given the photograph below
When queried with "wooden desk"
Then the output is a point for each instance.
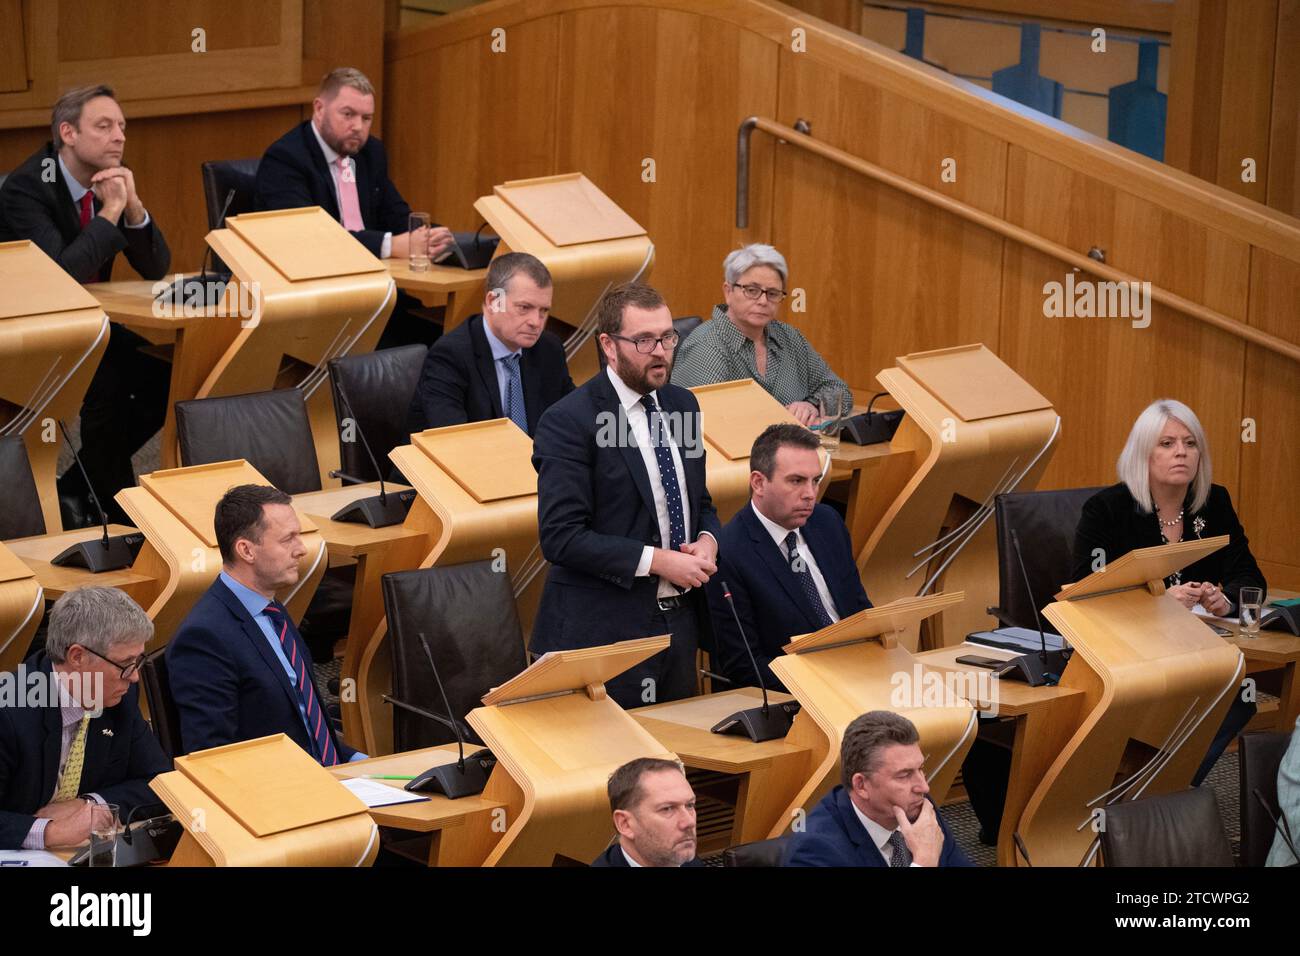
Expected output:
(1273, 650)
(376, 551)
(1045, 719)
(461, 290)
(37, 551)
(770, 773)
(464, 831)
(865, 467)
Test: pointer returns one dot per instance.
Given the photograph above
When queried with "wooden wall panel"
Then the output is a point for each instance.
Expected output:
(1100, 372)
(96, 29)
(885, 274)
(1270, 466)
(13, 49)
(479, 118)
(1284, 137)
(668, 86)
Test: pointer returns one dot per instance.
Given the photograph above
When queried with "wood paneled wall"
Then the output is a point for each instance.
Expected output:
(603, 85)
(182, 108)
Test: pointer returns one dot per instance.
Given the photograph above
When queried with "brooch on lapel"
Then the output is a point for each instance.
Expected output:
(107, 732)
(1198, 525)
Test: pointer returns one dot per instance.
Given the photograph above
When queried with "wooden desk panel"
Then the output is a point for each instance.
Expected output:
(36, 552)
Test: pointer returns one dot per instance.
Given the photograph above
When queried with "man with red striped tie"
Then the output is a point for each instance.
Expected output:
(238, 667)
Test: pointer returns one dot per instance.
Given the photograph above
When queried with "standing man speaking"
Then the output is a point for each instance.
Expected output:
(623, 512)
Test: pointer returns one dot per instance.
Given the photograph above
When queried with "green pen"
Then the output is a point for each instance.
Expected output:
(387, 776)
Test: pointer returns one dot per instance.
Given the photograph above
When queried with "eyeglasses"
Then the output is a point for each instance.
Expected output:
(645, 344)
(754, 292)
(129, 669)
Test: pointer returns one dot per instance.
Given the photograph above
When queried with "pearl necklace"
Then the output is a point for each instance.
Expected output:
(1171, 522)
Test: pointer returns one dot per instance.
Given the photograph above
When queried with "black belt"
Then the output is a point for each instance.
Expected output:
(671, 603)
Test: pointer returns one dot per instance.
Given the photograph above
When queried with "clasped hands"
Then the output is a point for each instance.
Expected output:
(438, 239)
(115, 189)
(71, 821)
(1209, 596)
(689, 567)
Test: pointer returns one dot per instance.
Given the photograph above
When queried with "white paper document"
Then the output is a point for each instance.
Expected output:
(373, 793)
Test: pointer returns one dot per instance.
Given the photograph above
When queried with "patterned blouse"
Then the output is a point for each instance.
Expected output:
(717, 351)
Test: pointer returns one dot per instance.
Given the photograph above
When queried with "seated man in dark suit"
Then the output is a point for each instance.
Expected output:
(332, 161)
(238, 667)
(75, 199)
(70, 753)
(654, 814)
(501, 363)
(787, 559)
(881, 814)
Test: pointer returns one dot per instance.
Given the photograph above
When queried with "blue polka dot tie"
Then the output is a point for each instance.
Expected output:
(800, 569)
(659, 441)
(515, 410)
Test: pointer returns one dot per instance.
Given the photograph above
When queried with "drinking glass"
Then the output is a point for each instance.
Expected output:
(419, 251)
(1251, 601)
(103, 835)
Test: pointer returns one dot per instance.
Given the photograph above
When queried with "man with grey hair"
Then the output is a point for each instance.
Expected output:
(76, 200)
(745, 339)
(72, 739)
(881, 814)
(333, 162)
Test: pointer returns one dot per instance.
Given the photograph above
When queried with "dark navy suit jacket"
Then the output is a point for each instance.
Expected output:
(836, 837)
(121, 758)
(769, 601)
(613, 856)
(458, 383)
(596, 513)
(227, 682)
(293, 173)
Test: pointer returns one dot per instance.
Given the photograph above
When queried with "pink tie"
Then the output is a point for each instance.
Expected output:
(349, 205)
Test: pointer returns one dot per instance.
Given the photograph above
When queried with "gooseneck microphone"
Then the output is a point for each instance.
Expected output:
(1046, 666)
(758, 723)
(381, 510)
(110, 552)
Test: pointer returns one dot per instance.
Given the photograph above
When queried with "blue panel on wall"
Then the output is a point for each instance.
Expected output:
(914, 45)
(1138, 109)
(1022, 82)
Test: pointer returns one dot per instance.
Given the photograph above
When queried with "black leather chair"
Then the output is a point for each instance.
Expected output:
(269, 429)
(20, 512)
(379, 386)
(1174, 829)
(222, 176)
(157, 691)
(1259, 754)
(467, 614)
(759, 853)
(1045, 522)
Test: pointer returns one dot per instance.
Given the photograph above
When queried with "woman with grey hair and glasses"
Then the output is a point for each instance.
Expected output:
(745, 339)
(1165, 495)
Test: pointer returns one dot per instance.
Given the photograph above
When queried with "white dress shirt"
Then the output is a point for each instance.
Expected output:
(639, 424)
(879, 835)
(71, 713)
(779, 535)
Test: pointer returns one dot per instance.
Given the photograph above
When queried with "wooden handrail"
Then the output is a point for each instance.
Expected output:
(992, 223)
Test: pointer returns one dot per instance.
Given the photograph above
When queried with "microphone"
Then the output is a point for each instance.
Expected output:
(464, 778)
(1046, 666)
(381, 510)
(759, 723)
(109, 553)
(174, 294)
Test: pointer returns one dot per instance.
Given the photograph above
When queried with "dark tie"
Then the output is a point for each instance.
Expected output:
(660, 442)
(799, 567)
(317, 722)
(902, 855)
(87, 208)
(515, 410)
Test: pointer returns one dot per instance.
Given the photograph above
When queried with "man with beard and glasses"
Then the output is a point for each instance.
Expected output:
(332, 161)
(654, 815)
(624, 515)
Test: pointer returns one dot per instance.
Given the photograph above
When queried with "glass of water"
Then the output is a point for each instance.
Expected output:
(1251, 601)
(833, 414)
(419, 251)
(103, 835)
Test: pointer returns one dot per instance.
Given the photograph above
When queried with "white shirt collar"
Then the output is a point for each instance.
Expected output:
(628, 856)
(75, 188)
(626, 396)
(499, 349)
(775, 530)
(879, 835)
(331, 157)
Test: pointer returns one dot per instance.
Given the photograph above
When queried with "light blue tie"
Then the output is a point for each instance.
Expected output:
(515, 393)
